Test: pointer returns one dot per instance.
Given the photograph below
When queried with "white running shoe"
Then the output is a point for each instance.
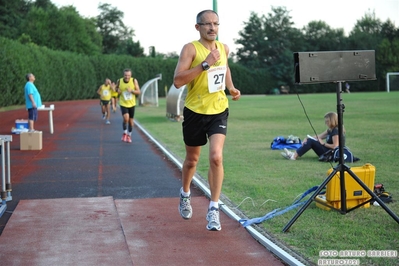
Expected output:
(289, 155)
(213, 220)
(185, 209)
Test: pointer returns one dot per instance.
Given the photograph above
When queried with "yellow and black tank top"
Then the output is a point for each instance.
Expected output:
(105, 92)
(127, 99)
(114, 94)
(205, 94)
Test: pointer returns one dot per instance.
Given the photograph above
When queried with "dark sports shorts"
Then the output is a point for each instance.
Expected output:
(32, 114)
(197, 128)
(128, 110)
(102, 102)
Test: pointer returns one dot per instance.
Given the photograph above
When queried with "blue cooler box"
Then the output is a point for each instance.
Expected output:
(21, 124)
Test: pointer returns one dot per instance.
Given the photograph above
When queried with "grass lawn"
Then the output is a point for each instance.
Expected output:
(259, 180)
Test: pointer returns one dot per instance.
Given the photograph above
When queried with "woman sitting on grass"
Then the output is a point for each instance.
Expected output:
(316, 143)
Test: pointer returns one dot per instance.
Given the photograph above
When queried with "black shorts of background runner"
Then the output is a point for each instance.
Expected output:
(105, 103)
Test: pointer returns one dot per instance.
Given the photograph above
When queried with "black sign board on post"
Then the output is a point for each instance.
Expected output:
(323, 67)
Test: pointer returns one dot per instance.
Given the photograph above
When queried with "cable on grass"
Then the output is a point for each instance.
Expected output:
(253, 203)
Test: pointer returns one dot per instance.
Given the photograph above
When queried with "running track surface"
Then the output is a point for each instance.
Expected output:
(87, 198)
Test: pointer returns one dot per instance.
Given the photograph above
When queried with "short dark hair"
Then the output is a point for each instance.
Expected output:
(28, 76)
(199, 15)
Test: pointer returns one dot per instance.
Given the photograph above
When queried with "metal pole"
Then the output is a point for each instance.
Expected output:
(215, 5)
(215, 8)
(3, 193)
(3, 172)
(340, 110)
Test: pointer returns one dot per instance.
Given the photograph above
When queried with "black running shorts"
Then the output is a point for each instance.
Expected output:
(103, 102)
(128, 110)
(197, 128)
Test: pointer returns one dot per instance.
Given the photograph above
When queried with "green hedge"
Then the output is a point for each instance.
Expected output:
(64, 76)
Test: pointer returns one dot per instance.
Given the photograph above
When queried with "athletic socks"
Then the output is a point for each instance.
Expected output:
(214, 205)
(185, 194)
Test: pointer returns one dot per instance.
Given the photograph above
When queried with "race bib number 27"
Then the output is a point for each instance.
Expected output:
(216, 79)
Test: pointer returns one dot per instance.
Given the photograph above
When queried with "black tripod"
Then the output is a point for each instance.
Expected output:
(341, 168)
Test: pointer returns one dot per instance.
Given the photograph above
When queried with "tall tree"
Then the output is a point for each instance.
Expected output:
(388, 50)
(45, 4)
(37, 26)
(366, 33)
(11, 16)
(269, 42)
(389, 31)
(252, 41)
(61, 29)
(93, 34)
(117, 37)
(319, 36)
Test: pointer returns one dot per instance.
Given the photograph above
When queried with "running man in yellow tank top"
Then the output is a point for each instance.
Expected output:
(203, 68)
(105, 91)
(114, 99)
(128, 88)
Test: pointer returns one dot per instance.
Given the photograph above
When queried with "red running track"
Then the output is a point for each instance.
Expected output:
(87, 198)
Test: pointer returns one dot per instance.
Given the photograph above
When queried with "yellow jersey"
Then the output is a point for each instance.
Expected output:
(105, 92)
(114, 94)
(205, 94)
(127, 99)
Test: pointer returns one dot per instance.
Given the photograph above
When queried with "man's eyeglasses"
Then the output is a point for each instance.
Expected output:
(209, 24)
